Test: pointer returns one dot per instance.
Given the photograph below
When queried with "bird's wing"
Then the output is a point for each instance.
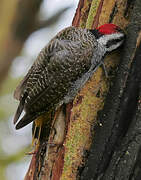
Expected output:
(20, 88)
(64, 63)
(68, 61)
(63, 59)
(27, 118)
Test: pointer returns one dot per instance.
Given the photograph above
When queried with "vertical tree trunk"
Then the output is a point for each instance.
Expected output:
(101, 139)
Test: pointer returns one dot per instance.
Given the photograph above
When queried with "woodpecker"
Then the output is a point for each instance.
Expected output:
(62, 68)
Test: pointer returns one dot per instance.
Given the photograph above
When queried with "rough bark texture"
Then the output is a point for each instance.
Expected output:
(115, 151)
(101, 139)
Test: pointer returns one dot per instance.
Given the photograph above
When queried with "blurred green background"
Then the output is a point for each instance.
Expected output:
(25, 28)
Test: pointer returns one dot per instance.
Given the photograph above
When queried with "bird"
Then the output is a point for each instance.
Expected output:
(62, 68)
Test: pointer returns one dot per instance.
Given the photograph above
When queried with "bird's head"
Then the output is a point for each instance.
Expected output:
(109, 36)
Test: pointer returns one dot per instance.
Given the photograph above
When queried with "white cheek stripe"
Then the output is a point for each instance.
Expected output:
(105, 38)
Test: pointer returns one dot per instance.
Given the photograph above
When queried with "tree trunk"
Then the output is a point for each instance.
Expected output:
(101, 138)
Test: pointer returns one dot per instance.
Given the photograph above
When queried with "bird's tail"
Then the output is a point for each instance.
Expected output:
(41, 125)
(41, 129)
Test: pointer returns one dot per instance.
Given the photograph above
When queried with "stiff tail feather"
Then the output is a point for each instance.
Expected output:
(36, 132)
(41, 128)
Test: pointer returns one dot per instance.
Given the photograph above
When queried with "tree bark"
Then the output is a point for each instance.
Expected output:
(101, 138)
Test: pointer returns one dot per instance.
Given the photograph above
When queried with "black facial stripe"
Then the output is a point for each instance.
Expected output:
(96, 33)
(113, 42)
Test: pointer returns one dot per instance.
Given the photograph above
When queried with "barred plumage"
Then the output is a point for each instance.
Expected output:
(61, 69)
